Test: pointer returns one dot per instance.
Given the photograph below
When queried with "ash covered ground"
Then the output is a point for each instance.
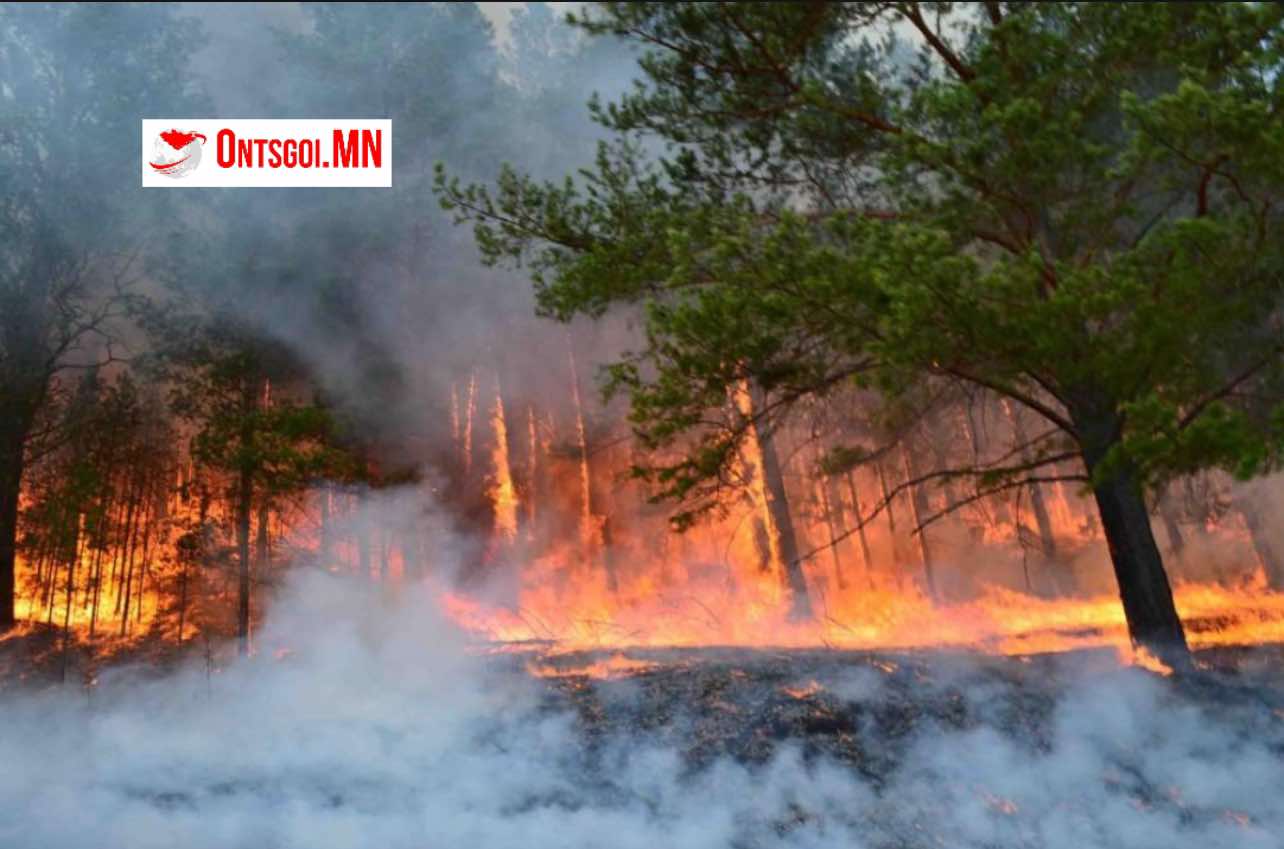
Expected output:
(382, 726)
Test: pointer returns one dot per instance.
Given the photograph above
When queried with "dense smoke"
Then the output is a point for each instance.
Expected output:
(367, 721)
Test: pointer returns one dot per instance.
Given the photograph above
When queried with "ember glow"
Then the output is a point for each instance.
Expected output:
(722, 584)
(582, 563)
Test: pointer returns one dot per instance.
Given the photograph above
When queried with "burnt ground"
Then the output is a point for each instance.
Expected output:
(860, 707)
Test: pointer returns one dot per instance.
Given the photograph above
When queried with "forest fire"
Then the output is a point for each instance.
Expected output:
(724, 583)
(1000, 621)
(552, 577)
(756, 425)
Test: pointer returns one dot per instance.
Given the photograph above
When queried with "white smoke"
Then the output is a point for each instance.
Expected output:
(384, 728)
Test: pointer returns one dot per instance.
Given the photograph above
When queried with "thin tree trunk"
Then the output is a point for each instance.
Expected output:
(182, 602)
(244, 510)
(124, 548)
(244, 505)
(128, 578)
(149, 534)
(866, 561)
(918, 513)
(323, 548)
(830, 507)
(97, 579)
(1047, 537)
(890, 509)
(594, 530)
(262, 548)
(70, 597)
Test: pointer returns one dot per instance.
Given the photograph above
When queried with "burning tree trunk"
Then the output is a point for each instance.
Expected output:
(782, 524)
(469, 408)
(773, 501)
(503, 493)
(533, 470)
(592, 526)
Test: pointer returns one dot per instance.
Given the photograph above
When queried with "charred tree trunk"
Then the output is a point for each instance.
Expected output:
(244, 509)
(127, 578)
(150, 529)
(1144, 590)
(12, 454)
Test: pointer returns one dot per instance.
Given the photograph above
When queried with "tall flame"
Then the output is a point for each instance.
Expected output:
(503, 493)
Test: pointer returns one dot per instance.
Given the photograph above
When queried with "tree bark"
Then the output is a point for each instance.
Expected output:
(1143, 584)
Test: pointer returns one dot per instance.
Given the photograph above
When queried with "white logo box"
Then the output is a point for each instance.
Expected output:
(266, 152)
